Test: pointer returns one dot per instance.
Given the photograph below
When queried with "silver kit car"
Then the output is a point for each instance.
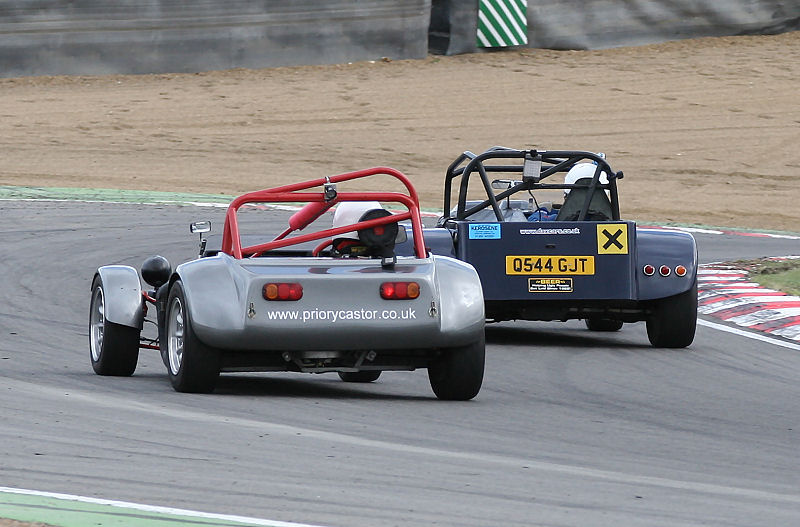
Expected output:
(336, 299)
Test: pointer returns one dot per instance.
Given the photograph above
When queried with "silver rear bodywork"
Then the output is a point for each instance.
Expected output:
(341, 307)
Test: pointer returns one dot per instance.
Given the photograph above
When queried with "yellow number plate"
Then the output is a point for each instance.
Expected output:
(550, 265)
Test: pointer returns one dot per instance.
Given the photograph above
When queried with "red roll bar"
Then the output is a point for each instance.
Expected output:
(231, 241)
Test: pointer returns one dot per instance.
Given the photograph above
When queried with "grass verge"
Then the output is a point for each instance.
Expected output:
(781, 275)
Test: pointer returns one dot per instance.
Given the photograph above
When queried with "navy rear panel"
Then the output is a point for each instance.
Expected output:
(551, 260)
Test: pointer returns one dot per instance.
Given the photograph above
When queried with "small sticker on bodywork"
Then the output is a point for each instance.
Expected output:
(484, 231)
(549, 285)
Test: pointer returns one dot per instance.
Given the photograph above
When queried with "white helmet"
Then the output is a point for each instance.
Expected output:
(350, 212)
(581, 171)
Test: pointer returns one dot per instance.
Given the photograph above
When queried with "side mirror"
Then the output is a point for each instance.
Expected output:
(200, 227)
(402, 236)
(499, 184)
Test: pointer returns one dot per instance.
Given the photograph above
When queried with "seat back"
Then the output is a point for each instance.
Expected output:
(599, 206)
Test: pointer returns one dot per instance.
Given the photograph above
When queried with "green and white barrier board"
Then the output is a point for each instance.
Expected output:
(502, 23)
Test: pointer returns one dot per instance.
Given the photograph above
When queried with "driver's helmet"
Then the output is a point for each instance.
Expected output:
(581, 171)
(349, 213)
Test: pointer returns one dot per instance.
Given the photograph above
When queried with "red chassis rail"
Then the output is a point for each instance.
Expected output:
(144, 342)
(231, 241)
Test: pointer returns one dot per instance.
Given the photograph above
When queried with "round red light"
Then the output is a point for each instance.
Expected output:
(295, 291)
(680, 270)
(649, 270)
(387, 290)
(664, 270)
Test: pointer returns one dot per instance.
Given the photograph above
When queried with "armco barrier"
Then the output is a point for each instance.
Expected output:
(597, 24)
(49, 37)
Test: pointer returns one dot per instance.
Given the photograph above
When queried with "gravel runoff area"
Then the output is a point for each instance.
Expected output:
(706, 130)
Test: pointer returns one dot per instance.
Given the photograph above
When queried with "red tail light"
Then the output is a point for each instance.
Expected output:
(680, 270)
(399, 290)
(283, 291)
(649, 270)
(664, 270)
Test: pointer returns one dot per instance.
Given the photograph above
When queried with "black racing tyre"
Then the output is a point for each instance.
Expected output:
(673, 320)
(458, 374)
(113, 348)
(193, 367)
(360, 376)
(603, 324)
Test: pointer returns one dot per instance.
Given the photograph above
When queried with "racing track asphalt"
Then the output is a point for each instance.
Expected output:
(571, 428)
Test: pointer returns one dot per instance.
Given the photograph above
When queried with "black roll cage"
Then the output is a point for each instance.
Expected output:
(537, 165)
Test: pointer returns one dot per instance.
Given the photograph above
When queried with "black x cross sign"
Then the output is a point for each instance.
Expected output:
(612, 239)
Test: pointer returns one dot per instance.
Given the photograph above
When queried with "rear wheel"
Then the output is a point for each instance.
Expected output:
(193, 367)
(673, 320)
(113, 348)
(458, 374)
(603, 324)
(360, 376)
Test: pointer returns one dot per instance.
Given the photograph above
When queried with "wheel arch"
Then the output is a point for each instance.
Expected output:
(664, 247)
(215, 296)
(122, 290)
(461, 307)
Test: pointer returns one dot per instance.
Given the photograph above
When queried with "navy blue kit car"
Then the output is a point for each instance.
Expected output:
(543, 230)
(332, 299)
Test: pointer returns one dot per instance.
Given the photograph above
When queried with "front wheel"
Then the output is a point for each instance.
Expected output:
(673, 320)
(193, 367)
(360, 376)
(458, 374)
(113, 348)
